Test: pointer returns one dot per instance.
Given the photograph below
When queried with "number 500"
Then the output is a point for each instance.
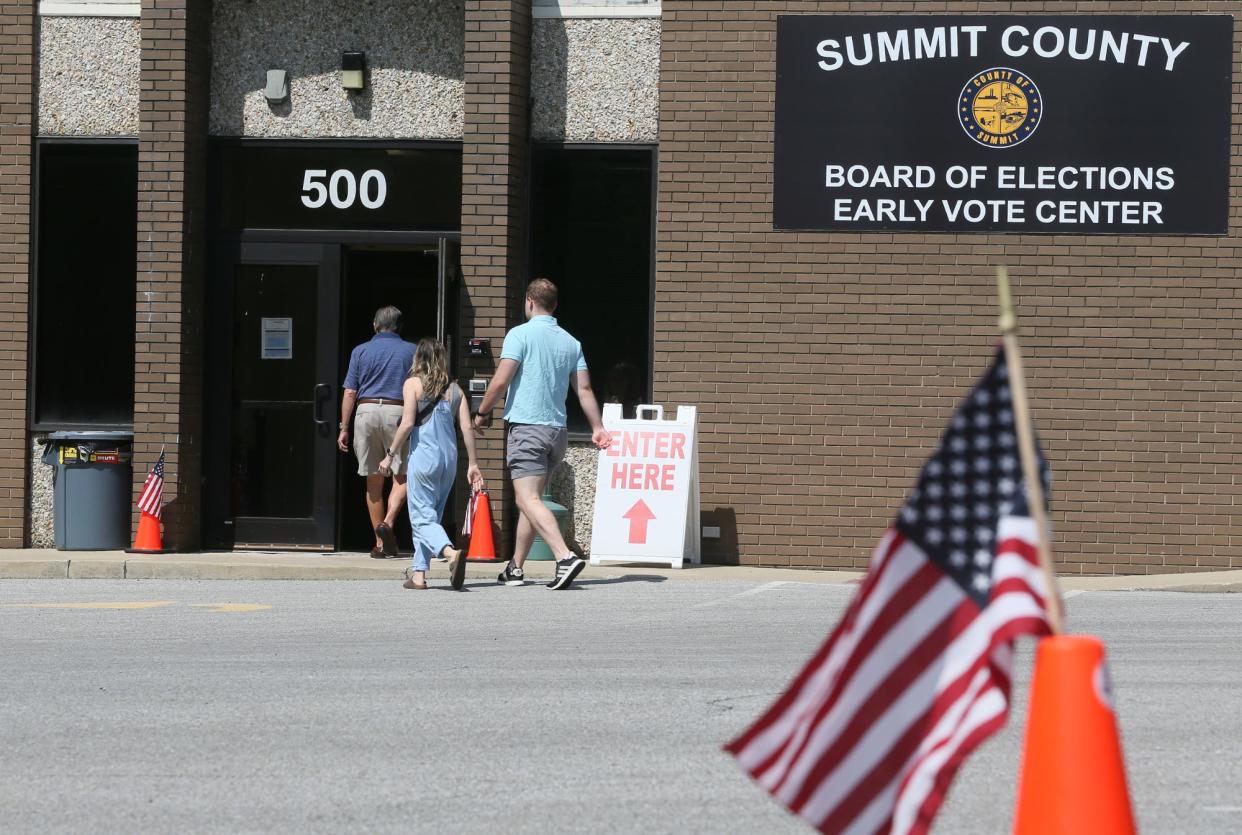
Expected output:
(342, 189)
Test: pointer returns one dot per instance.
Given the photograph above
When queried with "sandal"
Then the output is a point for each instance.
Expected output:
(409, 581)
(389, 539)
(457, 570)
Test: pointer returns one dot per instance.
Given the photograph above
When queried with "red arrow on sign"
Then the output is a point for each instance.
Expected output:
(639, 515)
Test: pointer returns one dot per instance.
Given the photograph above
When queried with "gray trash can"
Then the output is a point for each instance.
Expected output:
(92, 479)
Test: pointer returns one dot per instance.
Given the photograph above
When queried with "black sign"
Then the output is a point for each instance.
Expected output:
(333, 186)
(1082, 125)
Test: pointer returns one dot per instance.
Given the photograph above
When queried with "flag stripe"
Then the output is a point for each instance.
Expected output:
(964, 643)
(944, 717)
(864, 668)
(986, 715)
(903, 681)
(888, 733)
(990, 671)
(791, 705)
(770, 735)
(921, 766)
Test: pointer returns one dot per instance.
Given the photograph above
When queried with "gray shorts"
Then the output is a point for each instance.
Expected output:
(533, 450)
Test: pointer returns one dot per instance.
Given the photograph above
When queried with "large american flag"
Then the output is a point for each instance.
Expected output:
(869, 735)
(149, 501)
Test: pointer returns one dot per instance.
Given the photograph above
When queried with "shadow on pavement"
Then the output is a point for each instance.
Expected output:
(540, 583)
(629, 578)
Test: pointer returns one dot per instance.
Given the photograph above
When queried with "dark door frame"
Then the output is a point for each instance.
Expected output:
(257, 246)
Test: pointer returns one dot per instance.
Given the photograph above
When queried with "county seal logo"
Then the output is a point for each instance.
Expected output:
(1000, 107)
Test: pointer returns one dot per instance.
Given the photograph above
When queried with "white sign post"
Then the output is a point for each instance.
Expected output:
(647, 489)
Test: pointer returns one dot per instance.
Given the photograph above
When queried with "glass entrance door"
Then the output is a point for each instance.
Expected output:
(283, 318)
(282, 392)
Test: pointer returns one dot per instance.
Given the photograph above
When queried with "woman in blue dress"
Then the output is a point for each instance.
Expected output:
(433, 404)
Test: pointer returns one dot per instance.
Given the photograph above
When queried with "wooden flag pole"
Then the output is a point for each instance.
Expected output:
(1026, 445)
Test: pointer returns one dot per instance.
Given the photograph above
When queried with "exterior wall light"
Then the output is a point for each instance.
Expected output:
(277, 89)
(353, 70)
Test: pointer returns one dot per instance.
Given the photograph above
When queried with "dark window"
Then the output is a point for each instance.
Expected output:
(591, 235)
(85, 284)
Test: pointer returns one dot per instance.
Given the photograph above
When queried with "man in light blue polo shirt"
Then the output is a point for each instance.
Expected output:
(539, 363)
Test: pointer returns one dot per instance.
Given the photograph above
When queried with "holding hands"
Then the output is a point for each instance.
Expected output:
(483, 420)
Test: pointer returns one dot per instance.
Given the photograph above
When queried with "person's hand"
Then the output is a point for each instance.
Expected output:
(342, 441)
(475, 476)
(481, 422)
(385, 466)
(602, 438)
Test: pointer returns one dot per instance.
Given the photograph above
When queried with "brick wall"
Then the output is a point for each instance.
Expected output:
(168, 351)
(827, 364)
(17, 44)
(495, 186)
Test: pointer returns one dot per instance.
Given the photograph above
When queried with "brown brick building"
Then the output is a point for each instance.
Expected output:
(624, 149)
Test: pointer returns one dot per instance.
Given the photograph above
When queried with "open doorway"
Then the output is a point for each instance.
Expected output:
(372, 277)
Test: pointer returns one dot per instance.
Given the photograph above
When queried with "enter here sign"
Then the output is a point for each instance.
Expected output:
(647, 489)
(637, 448)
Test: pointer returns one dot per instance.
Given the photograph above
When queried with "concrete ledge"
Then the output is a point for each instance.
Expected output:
(171, 568)
(33, 564)
(96, 569)
(1198, 581)
(11, 569)
(1202, 588)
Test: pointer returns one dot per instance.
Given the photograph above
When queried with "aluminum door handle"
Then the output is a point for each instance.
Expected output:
(315, 403)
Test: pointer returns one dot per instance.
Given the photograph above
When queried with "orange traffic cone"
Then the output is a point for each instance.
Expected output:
(482, 538)
(1073, 779)
(148, 540)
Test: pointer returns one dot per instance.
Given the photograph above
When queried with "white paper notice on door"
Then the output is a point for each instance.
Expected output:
(277, 338)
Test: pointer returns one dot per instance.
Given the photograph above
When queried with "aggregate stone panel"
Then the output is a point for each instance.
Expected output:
(42, 532)
(595, 80)
(88, 76)
(573, 485)
(415, 68)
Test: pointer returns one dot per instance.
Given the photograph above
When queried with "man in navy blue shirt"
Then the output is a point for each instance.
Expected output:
(377, 371)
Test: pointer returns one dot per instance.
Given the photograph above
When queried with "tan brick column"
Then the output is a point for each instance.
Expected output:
(495, 184)
(17, 108)
(173, 100)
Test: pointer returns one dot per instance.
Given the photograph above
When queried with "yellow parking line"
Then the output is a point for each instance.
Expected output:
(126, 604)
(231, 607)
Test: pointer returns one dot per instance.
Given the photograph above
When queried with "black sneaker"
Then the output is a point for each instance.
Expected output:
(512, 575)
(566, 570)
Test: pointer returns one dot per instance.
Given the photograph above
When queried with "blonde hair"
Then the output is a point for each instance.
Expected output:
(431, 366)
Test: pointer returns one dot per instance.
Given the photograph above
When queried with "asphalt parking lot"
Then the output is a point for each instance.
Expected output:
(220, 706)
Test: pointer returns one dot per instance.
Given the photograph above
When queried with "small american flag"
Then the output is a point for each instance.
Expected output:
(869, 735)
(149, 501)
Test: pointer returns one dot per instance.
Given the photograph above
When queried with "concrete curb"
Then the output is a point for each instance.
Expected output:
(117, 565)
(34, 569)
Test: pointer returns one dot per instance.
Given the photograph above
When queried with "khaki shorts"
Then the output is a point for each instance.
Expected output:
(374, 428)
(533, 450)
